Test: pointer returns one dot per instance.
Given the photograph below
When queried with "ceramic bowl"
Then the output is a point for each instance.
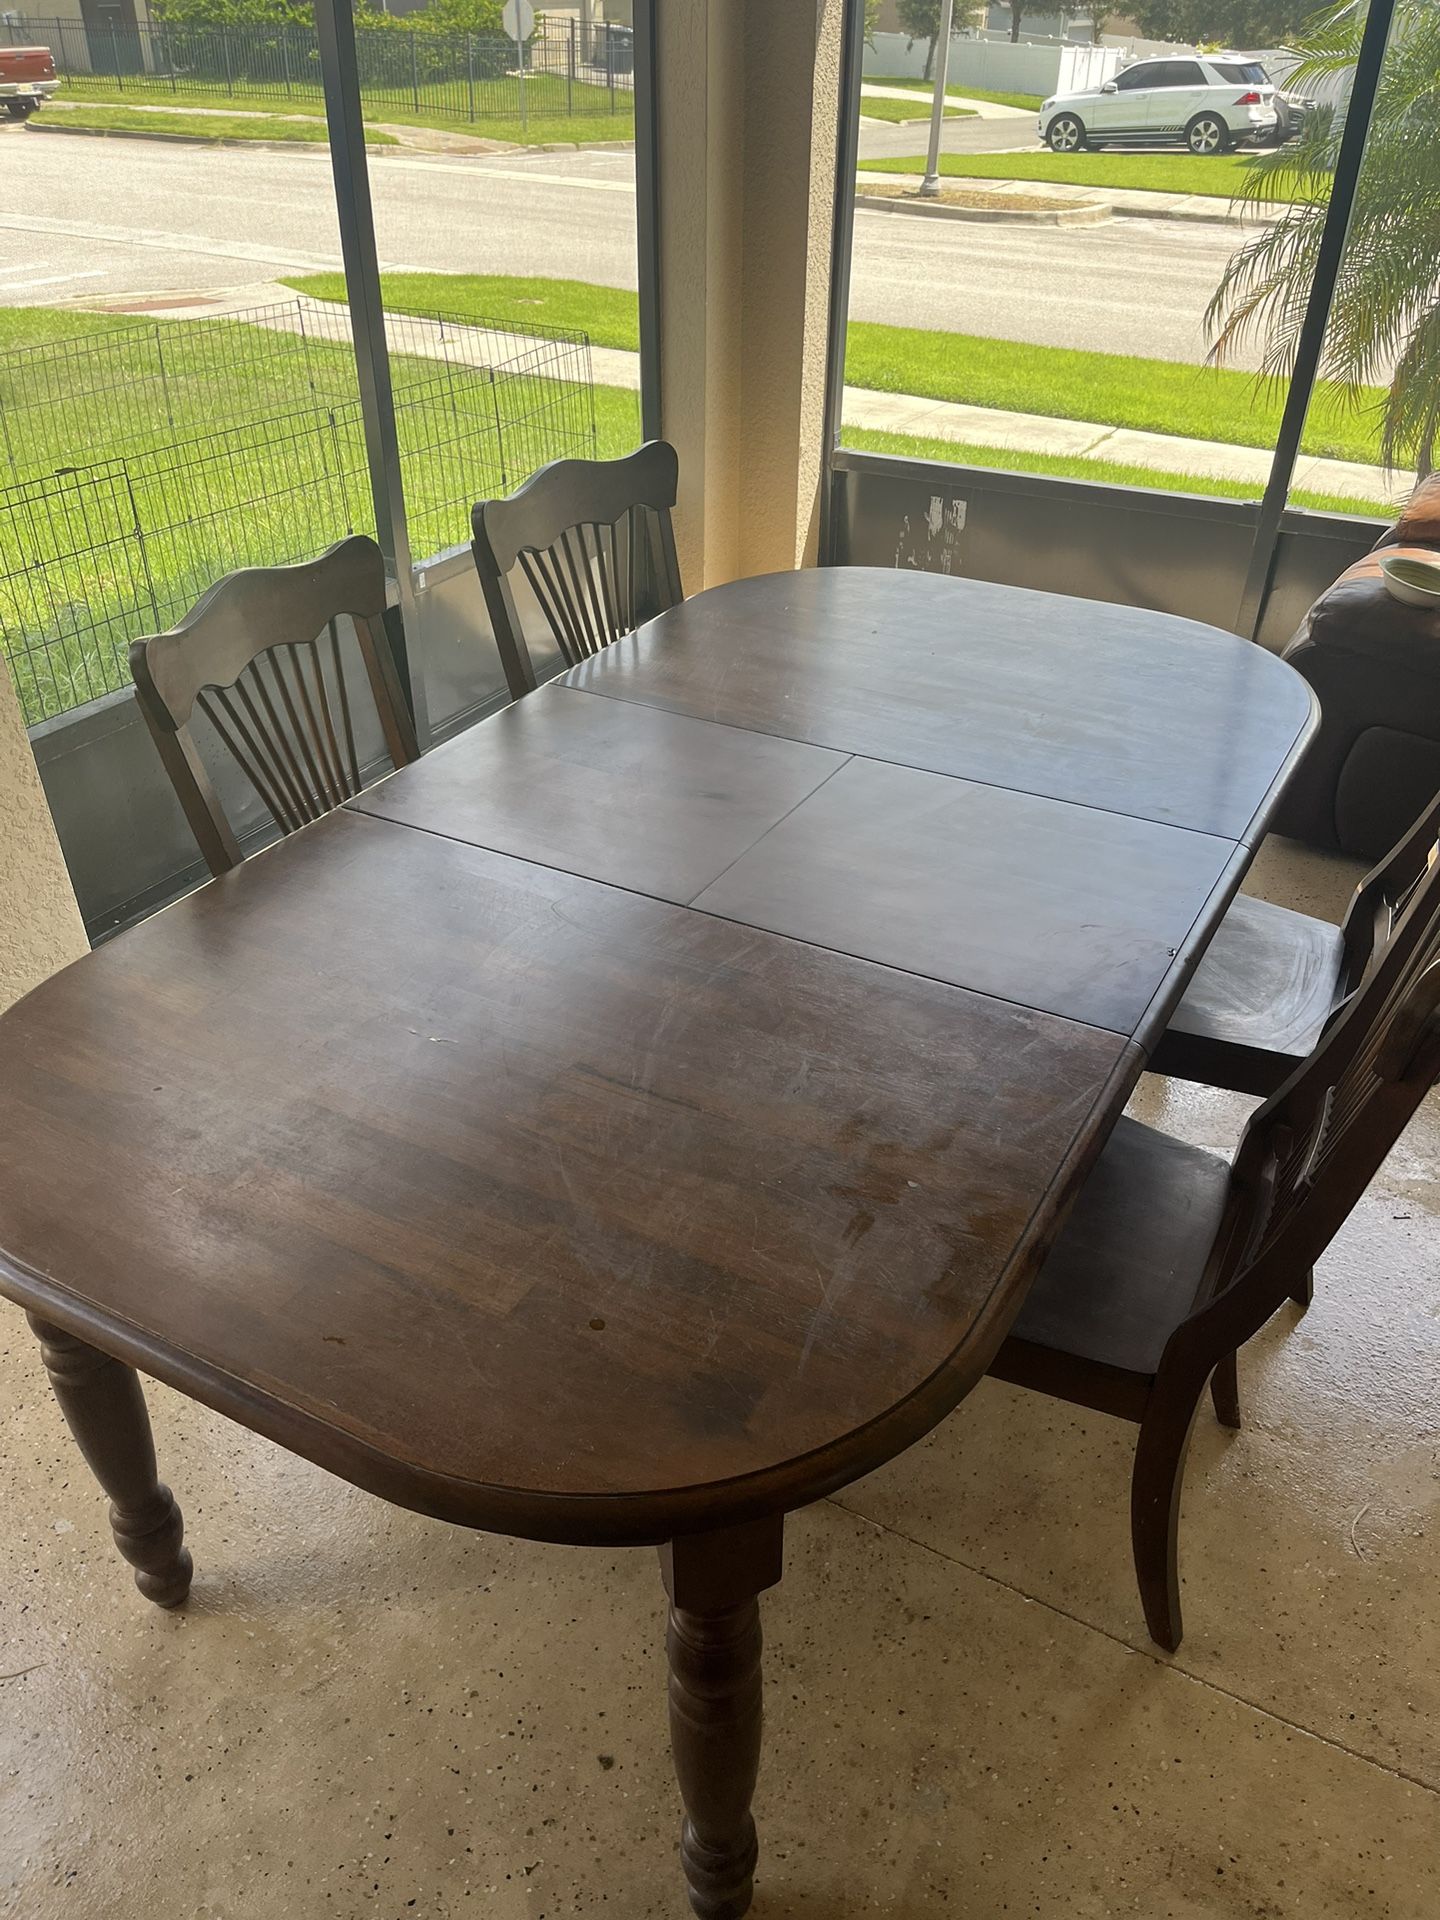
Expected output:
(1416, 582)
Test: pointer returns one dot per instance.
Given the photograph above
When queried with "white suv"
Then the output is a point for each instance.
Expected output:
(1207, 105)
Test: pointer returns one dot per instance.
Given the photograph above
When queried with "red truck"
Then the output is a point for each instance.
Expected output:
(27, 78)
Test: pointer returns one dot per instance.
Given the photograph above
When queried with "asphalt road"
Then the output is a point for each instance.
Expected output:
(90, 221)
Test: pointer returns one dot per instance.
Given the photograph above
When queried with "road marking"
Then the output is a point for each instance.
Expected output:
(52, 280)
(186, 243)
(477, 170)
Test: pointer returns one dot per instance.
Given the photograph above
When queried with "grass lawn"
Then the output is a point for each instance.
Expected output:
(548, 120)
(903, 112)
(1220, 175)
(1111, 473)
(203, 126)
(1114, 389)
(609, 315)
(270, 467)
(954, 91)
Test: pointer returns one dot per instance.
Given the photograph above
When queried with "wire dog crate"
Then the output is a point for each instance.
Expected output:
(126, 500)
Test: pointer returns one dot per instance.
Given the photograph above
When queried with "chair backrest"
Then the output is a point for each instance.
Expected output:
(260, 657)
(1385, 892)
(595, 540)
(1309, 1153)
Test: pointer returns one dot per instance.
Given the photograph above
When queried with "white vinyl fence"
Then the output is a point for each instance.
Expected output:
(1001, 66)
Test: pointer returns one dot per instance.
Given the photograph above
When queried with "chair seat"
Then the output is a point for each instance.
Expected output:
(1127, 1266)
(1259, 999)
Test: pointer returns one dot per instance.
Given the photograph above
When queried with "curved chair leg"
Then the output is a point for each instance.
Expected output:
(1304, 1289)
(1225, 1391)
(1155, 1505)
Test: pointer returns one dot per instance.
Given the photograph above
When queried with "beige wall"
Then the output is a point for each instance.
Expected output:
(40, 928)
(749, 127)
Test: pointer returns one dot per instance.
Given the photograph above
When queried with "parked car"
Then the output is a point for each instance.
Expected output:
(1294, 110)
(1208, 105)
(27, 78)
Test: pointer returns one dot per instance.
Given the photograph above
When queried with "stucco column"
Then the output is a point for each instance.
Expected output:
(40, 926)
(749, 96)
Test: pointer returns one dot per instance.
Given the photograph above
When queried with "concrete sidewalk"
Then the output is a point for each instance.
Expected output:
(1127, 446)
(907, 414)
(1128, 202)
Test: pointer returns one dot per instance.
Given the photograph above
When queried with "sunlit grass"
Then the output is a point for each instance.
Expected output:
(1110, 473)
(246, 450)
(199, 126)
(955, 91)
(903, 112)
(1219, 176)
(556, 112)
(1063, 383)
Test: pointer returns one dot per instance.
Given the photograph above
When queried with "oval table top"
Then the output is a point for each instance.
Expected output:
(647, 1111)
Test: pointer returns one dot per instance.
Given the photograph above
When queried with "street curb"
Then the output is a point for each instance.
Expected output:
(195, 139)
(1226, 219)
(1225, 216)
(1094, 214)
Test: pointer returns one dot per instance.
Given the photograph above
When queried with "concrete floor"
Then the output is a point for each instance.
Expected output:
(364, 1713)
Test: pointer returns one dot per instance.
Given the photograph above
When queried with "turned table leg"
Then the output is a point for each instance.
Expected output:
(715, 1703)
(105, 1410)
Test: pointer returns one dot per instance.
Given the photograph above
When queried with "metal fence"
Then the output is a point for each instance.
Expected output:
(565, 68)
(100, 546)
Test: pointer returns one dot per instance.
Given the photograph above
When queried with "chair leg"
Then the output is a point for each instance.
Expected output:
(1304, 1290)
(1225, 1391)
(1155, 1505)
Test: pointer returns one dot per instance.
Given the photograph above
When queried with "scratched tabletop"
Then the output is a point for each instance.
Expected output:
(646, 1112)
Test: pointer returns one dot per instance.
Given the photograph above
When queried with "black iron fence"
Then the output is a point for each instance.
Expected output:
(564, 68)
(94, 554)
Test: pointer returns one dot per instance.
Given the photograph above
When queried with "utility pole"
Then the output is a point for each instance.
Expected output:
(930, 185)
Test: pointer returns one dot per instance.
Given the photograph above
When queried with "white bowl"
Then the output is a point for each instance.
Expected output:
(1416, 582)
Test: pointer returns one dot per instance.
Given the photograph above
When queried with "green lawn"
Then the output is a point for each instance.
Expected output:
(903, 112)
(609, 315)
(1111, 473)
(1220, 175)
(264, 428)
(1114, 389)
(180, 380)
(956, 92)
(548, 119)
(203, 126)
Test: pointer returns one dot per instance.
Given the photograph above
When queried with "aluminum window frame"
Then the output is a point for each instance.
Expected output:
(350, 174)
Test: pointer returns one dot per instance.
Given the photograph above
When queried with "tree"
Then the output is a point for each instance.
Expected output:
(1228, 23)
(233, 13)
(1385, 319)
(440, 16)
(920, 20)
(1017, 14)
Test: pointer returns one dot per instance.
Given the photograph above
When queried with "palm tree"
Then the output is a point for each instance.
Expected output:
(1386, 312)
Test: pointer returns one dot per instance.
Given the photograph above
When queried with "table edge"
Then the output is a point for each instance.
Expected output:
(619, 1519)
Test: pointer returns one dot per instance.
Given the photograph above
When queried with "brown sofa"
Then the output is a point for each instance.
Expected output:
(1375, 666)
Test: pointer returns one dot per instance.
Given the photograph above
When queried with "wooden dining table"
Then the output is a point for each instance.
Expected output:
(645, 1114)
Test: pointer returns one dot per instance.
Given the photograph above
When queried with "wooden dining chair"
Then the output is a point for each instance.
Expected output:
(260, 657)
(595, 541)
(1171, 1259)
(1271, 980)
